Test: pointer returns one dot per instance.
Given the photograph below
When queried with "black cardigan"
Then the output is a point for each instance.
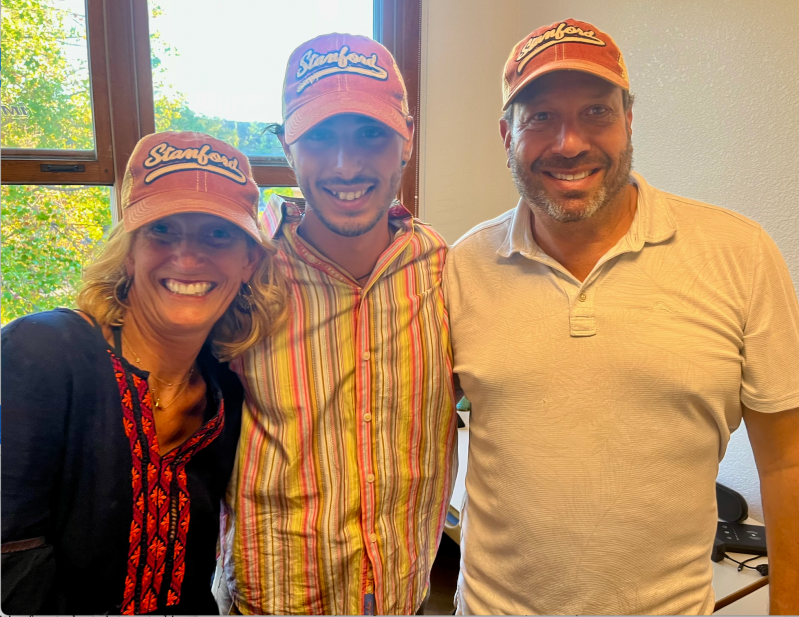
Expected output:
(79, 443)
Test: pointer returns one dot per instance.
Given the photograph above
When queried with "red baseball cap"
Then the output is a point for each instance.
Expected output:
(342, 74)
(565, 45)
(176, 172)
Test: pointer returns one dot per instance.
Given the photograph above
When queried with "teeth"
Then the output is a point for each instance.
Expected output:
(579, 176)
(190, 289)
(349, 196)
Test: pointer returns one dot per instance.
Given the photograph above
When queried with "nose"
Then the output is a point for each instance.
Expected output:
(348, 160)
(570, 141)
(188, 254)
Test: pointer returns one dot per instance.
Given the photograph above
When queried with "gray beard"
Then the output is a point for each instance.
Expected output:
(532, 190)
(351, 229)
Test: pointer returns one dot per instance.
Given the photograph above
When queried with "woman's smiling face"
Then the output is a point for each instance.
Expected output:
(187, 269)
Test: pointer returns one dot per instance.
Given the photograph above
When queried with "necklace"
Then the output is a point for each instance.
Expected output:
(153, 375)
(158, 404)
(183, 384)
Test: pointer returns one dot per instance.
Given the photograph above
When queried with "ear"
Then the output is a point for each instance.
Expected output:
(630, 121)
(506, 132)
(407, 147)
(286, 149)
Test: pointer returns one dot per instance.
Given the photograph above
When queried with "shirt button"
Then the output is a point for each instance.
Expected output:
(370, 477)
(367, 416)
(583, 297)
(369, 574)
(373, 537)
(366, 355)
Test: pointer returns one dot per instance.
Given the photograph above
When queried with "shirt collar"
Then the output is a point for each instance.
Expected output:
(280, 209)
(653, 223)
(520, 233)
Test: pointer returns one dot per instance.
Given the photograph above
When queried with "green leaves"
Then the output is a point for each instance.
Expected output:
(36, 73)
(49, 235)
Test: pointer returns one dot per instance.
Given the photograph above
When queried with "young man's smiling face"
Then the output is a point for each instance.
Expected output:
(349, 169)
(569, 146)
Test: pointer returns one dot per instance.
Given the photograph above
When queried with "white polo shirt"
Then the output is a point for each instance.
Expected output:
(601, 409)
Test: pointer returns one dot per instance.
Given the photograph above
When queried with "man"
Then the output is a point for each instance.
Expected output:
(346, 458)
(610, 337)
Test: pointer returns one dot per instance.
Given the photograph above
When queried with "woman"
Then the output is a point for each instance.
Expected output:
(121, 421)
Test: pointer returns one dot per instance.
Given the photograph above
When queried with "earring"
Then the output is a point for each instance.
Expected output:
(122, 289)
(244, 298)
(404, 163)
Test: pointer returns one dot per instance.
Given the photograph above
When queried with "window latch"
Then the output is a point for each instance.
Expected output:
(62, 168)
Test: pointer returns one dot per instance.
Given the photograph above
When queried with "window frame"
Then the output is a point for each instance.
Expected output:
(123, 108)
(25, 166)
(398, 26)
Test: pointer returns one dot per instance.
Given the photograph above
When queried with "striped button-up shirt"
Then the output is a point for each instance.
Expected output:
(346, 459)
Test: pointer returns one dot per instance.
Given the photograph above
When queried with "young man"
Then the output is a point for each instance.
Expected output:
(610, 337)
(347, 458)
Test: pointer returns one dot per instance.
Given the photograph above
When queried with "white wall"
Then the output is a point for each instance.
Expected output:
(463, 178)
(716, 116)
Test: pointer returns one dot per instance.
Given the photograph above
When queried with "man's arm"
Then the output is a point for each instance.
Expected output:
(775, 443)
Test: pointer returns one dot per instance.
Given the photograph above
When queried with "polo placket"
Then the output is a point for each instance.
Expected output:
(582, 310)
(582, 318)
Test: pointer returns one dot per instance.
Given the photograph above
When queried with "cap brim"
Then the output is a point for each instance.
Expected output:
(344, 102)
(568, 65)
(179, 202)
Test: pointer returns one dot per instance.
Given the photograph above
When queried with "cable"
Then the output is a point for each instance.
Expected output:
(762, 568)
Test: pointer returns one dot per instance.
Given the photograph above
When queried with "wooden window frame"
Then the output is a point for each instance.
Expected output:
(123, 108)
(26, 166)
(398, 26)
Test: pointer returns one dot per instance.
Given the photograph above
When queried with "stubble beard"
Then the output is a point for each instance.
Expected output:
(352, 228)
(532, 190)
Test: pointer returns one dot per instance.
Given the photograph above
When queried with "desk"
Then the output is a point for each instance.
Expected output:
(728, 584)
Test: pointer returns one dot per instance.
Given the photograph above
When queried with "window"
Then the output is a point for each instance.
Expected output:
(49, 234)
(55, 123)
(83, 80)
(45, 88)
(217, 68)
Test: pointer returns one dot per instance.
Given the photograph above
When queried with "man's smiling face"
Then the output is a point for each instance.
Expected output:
(349, 169)
(569, 146)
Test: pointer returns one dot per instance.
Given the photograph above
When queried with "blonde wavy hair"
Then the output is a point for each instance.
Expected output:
(234, 333)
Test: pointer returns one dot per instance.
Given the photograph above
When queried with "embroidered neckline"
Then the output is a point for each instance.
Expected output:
(161, 500)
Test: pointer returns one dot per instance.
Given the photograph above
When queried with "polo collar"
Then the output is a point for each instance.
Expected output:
(653, 222)
(520, 234)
